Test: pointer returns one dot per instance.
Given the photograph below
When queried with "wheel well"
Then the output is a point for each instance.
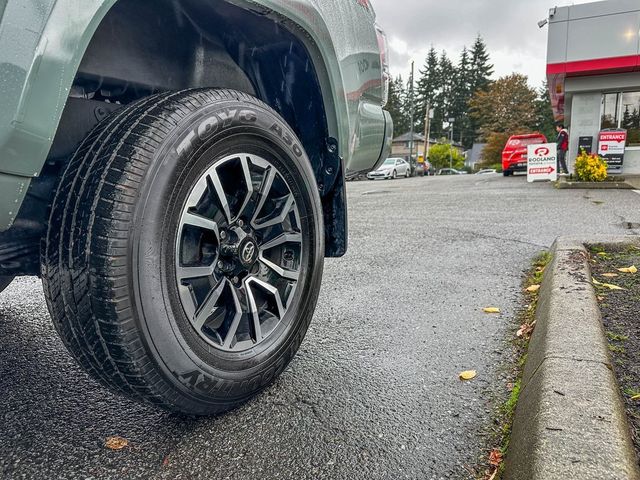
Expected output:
(143, 47)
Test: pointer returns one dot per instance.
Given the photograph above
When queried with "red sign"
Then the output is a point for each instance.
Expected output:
(611, 145)
(541, 171)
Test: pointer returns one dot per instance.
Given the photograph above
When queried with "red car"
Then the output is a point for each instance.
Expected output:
(514, 155)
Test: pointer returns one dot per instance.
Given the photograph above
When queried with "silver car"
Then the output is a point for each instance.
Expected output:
(390, 169)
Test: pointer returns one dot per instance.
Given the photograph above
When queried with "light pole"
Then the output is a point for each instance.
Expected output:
(412, 114)
(451, 121)
(427, 129)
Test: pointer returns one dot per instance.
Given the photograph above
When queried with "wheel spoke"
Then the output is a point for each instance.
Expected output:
(209, 305)
(222, 197)
(247, 178)
(288, 274)
(253, 311)
(282, 239)
(269, 177)
(231, 334)
(280, 218)
(188, 273)
(201, 222)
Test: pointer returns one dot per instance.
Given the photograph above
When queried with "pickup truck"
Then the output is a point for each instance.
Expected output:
(174, 171)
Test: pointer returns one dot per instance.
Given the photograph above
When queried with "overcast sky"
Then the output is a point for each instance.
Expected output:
(509, 28)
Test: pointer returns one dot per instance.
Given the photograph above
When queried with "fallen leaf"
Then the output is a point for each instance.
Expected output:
(525, 330)
(492, 477)
(600, 298)
(495, 457)
(606, 285)
(533, 288)
(631, 269)
(610, 275)
(602, 254)
(116, 443)
(491, 310)
(635, 397)
(468, 375)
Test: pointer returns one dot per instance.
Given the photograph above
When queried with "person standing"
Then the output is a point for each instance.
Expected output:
(563, 145)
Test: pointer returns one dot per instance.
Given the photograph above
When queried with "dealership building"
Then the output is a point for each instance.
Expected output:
(593, 69)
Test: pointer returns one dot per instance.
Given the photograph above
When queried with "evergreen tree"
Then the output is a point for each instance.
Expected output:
(461, 95)
(427, 87)
(443, 97)
(479, 77)
(545, 123)
(396, 105)
(480, 68)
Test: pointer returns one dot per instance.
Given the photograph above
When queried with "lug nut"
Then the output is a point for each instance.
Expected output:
(223, 234)
(241, 223)
(221, 265)
(235, 280)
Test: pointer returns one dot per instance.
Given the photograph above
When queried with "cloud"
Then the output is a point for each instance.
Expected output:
(509, 27)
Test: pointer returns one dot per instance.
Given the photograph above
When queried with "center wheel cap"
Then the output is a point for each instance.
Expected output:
(248, 252)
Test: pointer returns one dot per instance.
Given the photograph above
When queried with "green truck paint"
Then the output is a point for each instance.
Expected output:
(43, 43)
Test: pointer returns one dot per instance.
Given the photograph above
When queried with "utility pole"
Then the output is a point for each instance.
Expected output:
(412, 114)
(427, 130)
(451, 121)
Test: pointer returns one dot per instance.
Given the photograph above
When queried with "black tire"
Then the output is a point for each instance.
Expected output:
(109, 268)
(5, 282)
(506, 173)
(394, 175)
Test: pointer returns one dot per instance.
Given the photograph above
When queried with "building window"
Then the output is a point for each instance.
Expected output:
(622, 110)
(630, 117)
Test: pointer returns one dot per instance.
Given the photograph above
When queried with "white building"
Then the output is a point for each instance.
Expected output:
(593, 68)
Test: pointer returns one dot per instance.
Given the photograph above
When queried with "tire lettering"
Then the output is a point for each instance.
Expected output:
(211, 125)
(287, 139)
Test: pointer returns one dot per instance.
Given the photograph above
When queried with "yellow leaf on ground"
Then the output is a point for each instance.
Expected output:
(595, 282)
(116, 443)
(631, 269)
(635, 397)
(612, 287)
(533, 288)
(610, 275)
(468, 375)
(602, 254)
(491, 310)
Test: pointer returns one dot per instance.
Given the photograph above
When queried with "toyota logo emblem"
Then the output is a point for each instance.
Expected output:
(248, 252)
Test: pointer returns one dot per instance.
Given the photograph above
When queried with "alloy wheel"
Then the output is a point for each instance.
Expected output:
(238, 252)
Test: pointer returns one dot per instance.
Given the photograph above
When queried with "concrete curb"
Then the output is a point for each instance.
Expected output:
(570, 420)
(594, 186)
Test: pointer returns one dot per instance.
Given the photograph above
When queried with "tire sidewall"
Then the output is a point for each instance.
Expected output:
(194, 368)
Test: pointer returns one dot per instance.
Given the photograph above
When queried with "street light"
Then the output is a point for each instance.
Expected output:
(451, 121)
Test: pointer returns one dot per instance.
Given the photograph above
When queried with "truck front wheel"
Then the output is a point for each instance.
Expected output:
(184, 254)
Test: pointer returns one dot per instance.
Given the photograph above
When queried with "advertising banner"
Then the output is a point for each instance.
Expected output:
(542, 162)
(611, 145)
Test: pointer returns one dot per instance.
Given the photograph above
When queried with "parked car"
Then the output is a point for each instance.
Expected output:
(450, 171)
(487, 171)
(514, 155)
(390, 169)
(177, 160)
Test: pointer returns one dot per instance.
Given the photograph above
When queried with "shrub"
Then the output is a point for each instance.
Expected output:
(591, 167)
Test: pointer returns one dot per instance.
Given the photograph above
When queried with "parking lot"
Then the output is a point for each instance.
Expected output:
(374, 392)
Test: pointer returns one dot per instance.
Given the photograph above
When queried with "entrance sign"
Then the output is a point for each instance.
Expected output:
(611, 145)
(542, 162)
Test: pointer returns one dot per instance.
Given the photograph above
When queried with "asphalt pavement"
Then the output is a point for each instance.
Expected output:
(374, 392)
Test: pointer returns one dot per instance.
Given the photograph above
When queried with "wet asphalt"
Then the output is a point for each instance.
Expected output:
(374, 392)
